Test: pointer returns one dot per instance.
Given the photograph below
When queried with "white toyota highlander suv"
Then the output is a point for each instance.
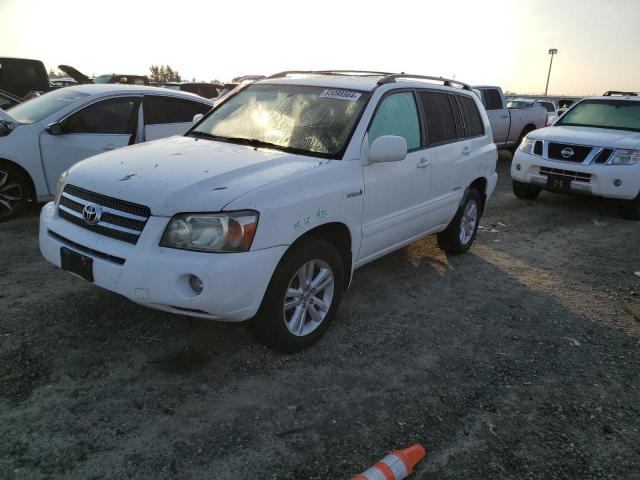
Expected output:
(266, 206)
(593, 149)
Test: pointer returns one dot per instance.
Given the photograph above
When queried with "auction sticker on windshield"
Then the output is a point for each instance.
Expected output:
(341, 94)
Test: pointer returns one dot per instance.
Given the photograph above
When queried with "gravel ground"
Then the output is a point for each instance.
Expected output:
(518, 360)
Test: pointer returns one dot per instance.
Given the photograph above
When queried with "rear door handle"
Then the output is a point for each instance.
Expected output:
(505, 116)
(107, 148)
(424, 163)
(466, 150)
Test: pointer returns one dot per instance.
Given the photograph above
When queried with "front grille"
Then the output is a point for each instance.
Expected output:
(119, 219)
(580, 152)
(577, 176)
(537, 148)
(603, 156)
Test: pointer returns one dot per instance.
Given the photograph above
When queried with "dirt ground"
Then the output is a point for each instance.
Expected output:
(517, 360)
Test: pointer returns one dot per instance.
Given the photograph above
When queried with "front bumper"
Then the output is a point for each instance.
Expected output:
(595, 179)
(157, 277)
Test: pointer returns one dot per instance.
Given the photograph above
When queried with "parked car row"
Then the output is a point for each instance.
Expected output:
(289, 183)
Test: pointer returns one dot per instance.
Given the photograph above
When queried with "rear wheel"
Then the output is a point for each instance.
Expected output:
(462, 230)
(302, 298)
(525, 191)
(631, 209)
(14, 191)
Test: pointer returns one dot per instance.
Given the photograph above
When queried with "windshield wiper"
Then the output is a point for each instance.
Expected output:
(254, 142)
(199, 134)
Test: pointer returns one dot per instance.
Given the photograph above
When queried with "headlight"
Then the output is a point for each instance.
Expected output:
(59, 184)
(211, 232)
(624, 157)
(527, 145)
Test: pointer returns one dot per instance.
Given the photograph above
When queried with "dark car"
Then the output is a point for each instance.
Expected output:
(128, 79)
(21, 76)
(206, 90)
(8, 100)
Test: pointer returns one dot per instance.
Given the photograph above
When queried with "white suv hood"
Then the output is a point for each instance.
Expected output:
(183, 174)
(595, 137)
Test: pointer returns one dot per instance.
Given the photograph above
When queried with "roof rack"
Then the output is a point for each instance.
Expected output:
(611, 93)
(353, 73)
(391, 78)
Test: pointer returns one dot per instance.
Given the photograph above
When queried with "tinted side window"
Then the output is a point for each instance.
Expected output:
(472, 118)
(113, 116)
(159, 110)
(492, 99)
(439, 120)
(397, 114)
(457, 116)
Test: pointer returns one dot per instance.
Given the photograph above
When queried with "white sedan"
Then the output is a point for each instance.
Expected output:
(43, 137)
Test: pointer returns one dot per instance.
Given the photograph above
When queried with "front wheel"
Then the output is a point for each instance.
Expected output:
(631, 209)
(14, 192)
(525, 191)
(462, 230)
(302, 298)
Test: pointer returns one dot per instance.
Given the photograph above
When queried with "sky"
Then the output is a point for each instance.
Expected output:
(490, 42)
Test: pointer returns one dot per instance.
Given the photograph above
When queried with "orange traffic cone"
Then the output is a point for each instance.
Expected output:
(395, 466)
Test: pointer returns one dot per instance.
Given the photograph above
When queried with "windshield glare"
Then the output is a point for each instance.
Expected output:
(313, 120)
(41, 107)
(614, 114)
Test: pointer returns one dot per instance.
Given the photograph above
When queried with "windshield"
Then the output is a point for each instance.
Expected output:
(518, 104)
(41, 107)
(615, 114)
(310, 120)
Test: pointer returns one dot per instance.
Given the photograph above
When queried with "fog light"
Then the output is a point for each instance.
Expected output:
(617, 182)
(518, 167)
(196, 284)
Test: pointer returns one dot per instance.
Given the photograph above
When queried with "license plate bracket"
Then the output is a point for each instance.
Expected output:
(557, 182)
(76, 263)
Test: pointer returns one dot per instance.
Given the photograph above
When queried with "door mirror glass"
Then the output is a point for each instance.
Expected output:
(197, 117)
(388, 148)
(5, 129)
(54, 129)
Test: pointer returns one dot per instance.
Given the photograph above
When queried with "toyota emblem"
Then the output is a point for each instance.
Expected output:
(91, 214)
(567, 152)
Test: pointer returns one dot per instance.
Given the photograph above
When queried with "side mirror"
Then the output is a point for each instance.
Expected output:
(197, 117)
(5, 129)
(54, 128)
(388, 148)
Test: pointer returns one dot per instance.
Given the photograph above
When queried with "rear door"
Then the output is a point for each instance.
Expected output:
(99, 127)
(165, 116)
(498, 114)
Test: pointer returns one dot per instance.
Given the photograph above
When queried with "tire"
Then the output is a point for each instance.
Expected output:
(462, 230)
(525, 191)
(274, 326)
(15, 191)
(631, 209)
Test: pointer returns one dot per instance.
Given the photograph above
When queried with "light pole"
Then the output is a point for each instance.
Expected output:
(552, 52)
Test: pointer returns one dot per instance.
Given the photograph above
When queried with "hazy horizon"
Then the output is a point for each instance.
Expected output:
(494, 42)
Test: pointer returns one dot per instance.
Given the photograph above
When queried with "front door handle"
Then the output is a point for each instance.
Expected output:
(424, 163)
(108, 147)
(506, 115)
(466, 150)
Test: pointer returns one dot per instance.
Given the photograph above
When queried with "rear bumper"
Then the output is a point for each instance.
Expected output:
(597, 180)
(233, 283)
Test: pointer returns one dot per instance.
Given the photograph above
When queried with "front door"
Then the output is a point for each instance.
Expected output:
(96, 128)
(395, 193)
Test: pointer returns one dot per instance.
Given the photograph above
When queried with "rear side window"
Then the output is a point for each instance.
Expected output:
(472, 118)
(492, 99)
(439, 120)
(112, 117)
(161, 110)
(397, 114)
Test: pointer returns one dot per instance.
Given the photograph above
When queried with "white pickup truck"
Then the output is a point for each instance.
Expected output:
(509, 125)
